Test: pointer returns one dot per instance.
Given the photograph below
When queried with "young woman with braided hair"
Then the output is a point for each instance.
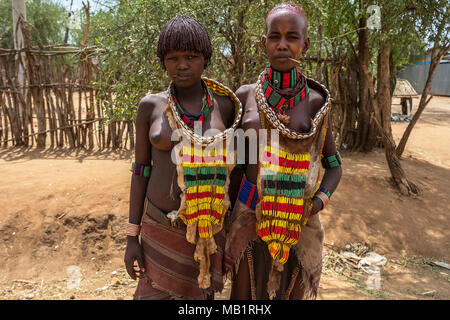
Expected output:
(274, 243)
(178, 209)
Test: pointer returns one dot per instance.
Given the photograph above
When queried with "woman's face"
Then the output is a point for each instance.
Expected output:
(286, 38)
(184, 68)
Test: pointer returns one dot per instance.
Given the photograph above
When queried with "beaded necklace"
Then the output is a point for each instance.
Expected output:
(206, 106)
(283, 90)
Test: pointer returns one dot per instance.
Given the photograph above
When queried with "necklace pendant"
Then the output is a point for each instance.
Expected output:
(284, 118)
(285, 107)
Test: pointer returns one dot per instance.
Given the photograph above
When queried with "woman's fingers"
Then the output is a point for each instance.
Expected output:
(139, 272)
(130, 271)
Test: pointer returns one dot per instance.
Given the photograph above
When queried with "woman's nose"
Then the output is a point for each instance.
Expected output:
(182, 64)
(282, 45)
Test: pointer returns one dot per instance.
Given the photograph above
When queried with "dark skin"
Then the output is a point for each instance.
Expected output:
(154, 145)
(286, 38)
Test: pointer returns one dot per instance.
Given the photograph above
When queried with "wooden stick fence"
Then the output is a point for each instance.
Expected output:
(55, 105)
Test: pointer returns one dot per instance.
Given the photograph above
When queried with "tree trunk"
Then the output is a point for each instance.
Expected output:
(364, 112)
(86, 65)
(319, 53)
(19, 14)
(381, 105)
(34, 72)
(436, 57)
(384, 89)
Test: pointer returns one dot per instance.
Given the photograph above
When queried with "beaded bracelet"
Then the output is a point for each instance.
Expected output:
(332, 161)
(248, 194)
(141, 170)
(325, 190)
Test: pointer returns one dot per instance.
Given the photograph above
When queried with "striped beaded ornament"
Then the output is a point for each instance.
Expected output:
(248, 193)
(188, 118)
(283, 90)
(202, 175)
(141, 170)
(283, 188)
(205, 177)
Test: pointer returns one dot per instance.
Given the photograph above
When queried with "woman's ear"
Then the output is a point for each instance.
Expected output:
(306, 46)
(263, 43)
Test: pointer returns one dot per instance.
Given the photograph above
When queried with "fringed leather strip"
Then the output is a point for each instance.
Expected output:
(251, 268)
(292, 282)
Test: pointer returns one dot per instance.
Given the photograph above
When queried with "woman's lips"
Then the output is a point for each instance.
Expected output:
(283, 58)
(183, 76)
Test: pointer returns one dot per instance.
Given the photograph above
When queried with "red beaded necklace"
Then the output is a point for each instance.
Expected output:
(188, 118)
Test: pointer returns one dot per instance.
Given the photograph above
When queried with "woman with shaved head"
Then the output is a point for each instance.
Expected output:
(274, 243)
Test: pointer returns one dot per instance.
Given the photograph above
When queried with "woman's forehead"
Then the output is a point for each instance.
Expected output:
(286, 20)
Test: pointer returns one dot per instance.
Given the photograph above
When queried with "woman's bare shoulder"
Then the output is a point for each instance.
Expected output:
(250, 118)
(149, 104)
(316, 99)
(245, 91)
(153, 100)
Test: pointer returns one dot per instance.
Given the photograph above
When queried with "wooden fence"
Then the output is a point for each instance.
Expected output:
(47, 99)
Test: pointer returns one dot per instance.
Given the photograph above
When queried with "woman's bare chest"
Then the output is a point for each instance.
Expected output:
(161, 134)
(299, 116)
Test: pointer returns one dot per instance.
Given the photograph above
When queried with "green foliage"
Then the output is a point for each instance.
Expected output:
(128, 31)
(47, 17)
(130, 65)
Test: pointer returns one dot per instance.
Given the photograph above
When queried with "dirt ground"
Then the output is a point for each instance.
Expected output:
(65, 210)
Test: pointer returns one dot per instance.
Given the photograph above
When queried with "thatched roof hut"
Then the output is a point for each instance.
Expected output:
(404, 89)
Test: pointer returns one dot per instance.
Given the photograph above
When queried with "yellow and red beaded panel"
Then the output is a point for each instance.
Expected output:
(205, 177)
(283, 189)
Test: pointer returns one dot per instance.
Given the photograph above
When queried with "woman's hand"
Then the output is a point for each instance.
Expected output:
(133, 253)
(317, 206)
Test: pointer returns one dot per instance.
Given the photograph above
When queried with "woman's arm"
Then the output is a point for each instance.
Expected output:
(332, 176)
(250, 122)
(138, 188)
(142, 156)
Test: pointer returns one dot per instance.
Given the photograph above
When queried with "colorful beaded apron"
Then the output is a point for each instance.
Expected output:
(203, 167)
(288, 177)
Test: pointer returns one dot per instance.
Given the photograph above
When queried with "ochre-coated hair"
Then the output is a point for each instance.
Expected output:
(184, 33)
(290, 7)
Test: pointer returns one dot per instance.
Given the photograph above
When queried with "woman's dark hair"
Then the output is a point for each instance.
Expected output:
(184, 33)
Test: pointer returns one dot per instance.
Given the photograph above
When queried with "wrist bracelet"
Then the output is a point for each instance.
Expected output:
(132, 229)
(325, 190)
(323, 197)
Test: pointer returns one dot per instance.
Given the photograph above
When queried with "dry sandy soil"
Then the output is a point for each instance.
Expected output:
(64, 208)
